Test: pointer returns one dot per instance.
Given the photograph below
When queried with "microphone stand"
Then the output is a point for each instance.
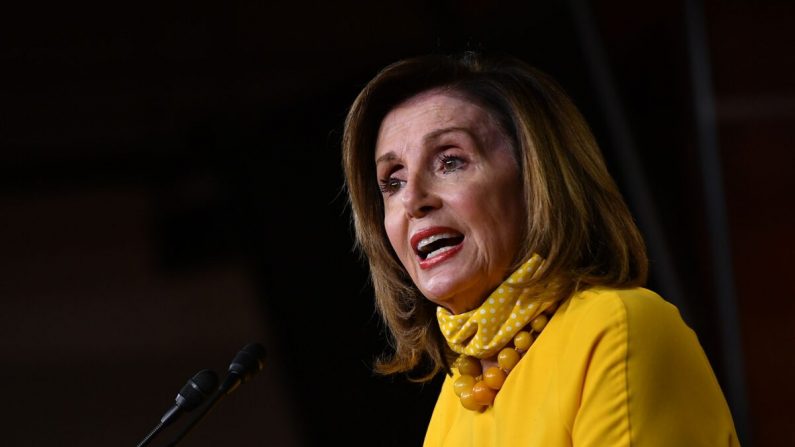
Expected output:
(230, 384)
(188, 398)
(151, 434)
(246, 363)
(196, 420)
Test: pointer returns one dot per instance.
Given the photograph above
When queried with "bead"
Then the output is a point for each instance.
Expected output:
(483, 394)
(469, 366)
(463, 383)
(539, 322)
(468, 401)
(477, 389)
(508, 358)
(494, 377)
(523, 340)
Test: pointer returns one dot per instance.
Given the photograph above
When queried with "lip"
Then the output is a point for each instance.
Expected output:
(427, 232)
(425, 264)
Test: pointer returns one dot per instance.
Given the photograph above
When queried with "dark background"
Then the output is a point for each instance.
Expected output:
(170, 190)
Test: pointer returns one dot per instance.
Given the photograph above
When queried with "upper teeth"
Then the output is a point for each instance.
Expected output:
(431, 239)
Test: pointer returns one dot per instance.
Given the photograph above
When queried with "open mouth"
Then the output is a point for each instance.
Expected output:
(437, 244)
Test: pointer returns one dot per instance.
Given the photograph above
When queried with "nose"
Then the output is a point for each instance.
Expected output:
(419, 197)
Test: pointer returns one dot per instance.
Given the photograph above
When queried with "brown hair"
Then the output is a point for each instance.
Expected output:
(576, 217)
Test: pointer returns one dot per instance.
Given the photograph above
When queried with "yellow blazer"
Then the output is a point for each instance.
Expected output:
(612, 368)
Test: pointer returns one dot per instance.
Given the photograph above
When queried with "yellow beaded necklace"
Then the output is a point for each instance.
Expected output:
(508, 315)
(476, 388)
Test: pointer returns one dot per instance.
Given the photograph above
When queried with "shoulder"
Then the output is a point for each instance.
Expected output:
(633, 326)
(624, 309)
(637, 301)
(636, 353)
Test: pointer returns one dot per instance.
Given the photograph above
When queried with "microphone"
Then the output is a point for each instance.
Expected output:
(190, 396)
(248, 362)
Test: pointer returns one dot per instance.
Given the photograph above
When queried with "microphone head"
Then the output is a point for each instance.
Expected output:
(249, 361)
(197, 389)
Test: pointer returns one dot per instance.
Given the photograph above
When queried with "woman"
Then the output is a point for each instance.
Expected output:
(502, 254)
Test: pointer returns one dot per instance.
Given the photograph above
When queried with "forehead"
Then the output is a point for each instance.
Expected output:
(422, 115)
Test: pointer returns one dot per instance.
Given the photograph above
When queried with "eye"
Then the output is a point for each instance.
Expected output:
(450, 163)
(390, 185)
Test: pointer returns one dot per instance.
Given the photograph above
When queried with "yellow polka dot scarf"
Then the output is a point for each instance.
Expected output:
(482, 332)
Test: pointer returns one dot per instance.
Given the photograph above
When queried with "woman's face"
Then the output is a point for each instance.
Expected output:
(453, 201)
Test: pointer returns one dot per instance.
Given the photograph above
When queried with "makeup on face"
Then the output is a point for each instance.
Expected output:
(453, 203)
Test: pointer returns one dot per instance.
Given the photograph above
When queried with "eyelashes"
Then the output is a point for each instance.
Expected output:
(389, 185)
(451, 163)
(447, 164)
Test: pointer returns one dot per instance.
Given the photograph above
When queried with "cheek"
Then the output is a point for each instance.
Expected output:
(395, 230)
(494, 215)
(480, 210)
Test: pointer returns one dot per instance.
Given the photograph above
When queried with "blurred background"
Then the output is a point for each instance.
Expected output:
(170, 190)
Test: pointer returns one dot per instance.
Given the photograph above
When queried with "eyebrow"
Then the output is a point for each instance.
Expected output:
(389, 156)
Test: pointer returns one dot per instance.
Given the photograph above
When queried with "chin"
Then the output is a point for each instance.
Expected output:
(456, 302)
(453, 286)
